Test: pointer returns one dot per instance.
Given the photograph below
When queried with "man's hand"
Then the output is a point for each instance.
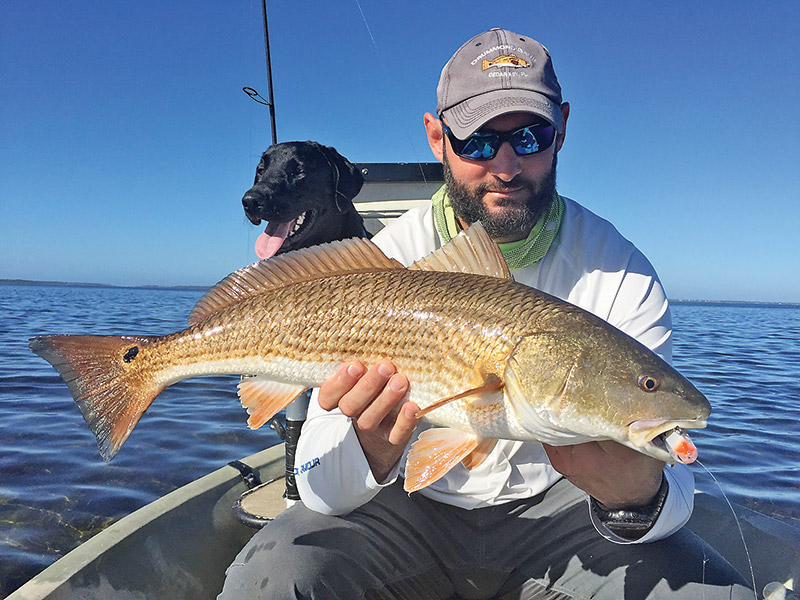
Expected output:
(614, 475)
(374, 400)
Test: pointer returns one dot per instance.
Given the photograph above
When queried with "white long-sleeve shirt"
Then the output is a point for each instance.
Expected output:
(590, 265)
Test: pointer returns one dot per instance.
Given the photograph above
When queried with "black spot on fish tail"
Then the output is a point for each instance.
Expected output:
(131, 354)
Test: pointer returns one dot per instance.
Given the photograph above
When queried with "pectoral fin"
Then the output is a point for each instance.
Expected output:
(489, 392)
(436, 452)
(264, 398)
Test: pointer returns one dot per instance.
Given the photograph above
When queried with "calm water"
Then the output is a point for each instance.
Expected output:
(55, 491)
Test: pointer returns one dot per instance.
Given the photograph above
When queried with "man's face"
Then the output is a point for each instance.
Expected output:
(508, 193)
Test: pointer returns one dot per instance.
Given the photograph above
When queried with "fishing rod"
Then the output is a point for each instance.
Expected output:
(270, 103)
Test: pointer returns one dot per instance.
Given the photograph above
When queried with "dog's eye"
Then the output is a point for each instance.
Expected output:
(295, 170)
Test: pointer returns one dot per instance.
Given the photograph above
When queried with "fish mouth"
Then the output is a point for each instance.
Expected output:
(665, 439)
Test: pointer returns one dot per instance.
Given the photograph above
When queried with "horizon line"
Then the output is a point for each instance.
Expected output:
(208, 287)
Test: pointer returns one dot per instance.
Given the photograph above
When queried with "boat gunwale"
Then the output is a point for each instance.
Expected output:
(269, 462)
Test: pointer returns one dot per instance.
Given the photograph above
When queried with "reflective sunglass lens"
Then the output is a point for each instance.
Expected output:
(544, 135)
(484, 146)
(526, 142)
(477, 148)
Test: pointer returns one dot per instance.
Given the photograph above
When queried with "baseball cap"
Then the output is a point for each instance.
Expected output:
(495, 73)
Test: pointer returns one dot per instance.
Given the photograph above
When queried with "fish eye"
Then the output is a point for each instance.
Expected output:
(649, 383)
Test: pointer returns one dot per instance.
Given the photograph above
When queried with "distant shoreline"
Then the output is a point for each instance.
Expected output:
(736, 303)
(102, 285)
(201, 288)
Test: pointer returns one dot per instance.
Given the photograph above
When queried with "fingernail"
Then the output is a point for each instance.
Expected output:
(397, 384)
(354, 370)
(385, 370)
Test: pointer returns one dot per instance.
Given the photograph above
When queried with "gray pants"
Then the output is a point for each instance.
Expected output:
(409, 547)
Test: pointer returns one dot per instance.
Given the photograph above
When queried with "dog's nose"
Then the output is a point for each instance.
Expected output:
(251, 208)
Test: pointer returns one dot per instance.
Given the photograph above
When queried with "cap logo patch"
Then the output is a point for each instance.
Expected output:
(505, 60)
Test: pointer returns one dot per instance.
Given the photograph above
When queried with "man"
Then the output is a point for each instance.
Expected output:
(532, 521)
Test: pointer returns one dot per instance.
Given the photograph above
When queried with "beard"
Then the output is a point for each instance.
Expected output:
(513, 222)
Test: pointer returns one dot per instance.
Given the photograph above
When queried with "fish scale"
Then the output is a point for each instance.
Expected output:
(382, 321)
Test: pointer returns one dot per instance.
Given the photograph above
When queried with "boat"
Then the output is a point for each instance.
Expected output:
(180, 545)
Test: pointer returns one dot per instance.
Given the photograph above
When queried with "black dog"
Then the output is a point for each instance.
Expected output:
(304, 190)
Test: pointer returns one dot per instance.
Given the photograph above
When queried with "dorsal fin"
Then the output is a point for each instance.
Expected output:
(356, 255)
(471, 251)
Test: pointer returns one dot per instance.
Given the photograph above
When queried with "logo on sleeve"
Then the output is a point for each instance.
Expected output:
(306, 467)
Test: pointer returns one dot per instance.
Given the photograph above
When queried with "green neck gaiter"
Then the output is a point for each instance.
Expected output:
(519, 254)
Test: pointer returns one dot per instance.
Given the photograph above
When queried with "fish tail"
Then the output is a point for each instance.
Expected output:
(110, 387)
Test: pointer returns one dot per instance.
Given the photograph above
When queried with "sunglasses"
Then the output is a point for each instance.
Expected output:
(484, 145)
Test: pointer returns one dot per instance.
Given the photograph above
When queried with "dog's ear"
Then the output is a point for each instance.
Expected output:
(349, 179)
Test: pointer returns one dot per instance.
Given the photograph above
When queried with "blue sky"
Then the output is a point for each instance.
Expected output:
(127, 142)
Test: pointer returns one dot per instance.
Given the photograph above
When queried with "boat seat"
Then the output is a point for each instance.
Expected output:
(261, 504)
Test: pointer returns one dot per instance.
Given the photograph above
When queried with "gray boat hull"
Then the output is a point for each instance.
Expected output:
(179, 546)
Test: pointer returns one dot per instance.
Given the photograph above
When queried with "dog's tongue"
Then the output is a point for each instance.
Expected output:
(269, 242)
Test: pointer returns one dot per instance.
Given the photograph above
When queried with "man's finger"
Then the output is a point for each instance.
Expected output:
(367, 389)
(404, 425)
(384, 405)
(332, 391)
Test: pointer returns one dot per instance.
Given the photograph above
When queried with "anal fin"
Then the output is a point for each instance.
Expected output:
(436, 452)
(264, 398)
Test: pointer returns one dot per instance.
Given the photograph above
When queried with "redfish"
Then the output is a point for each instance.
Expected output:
(486, 357)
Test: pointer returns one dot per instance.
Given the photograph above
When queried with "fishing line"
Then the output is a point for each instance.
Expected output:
(369, 31)
(738, 525)
(386, 78)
